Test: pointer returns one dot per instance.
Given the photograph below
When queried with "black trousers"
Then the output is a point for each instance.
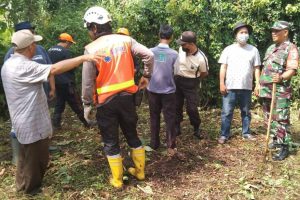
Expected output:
(68, 93)
(166, 103)
(186, 88)
(32, 165)
(118, 112)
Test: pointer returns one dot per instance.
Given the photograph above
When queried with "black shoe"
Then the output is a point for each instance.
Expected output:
(53, 149)
(197, 134)
(274, 145)
(177, 130)
(283, 153)
(57, 128)
(154, 147)
(56, 121)
(86, 125)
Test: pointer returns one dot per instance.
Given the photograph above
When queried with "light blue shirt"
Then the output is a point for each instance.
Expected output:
(162, 78)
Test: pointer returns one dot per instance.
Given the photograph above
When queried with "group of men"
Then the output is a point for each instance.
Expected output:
(175, 77)
(108, 83)
(239, 62)
(61, 86)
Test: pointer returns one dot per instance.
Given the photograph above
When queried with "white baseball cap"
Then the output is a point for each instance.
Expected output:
(24, 38)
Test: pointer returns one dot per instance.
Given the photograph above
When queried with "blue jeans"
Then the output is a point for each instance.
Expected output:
(243, 97)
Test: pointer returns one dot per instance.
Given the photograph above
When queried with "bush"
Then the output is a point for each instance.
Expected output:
(211, 20)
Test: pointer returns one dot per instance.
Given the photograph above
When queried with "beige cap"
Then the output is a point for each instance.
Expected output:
(24, 38)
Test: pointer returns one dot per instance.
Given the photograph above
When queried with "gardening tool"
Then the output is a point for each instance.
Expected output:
(270, 120)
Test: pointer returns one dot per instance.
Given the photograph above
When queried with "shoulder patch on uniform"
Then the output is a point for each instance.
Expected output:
(294, 53)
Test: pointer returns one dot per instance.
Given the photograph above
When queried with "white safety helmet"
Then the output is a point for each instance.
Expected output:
(96, 15)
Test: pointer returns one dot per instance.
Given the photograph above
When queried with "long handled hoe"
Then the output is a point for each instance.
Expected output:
(270, 120)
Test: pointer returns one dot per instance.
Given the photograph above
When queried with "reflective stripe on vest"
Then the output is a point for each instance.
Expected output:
(114, 87)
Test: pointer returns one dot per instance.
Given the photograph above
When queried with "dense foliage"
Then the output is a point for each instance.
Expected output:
(212, 20)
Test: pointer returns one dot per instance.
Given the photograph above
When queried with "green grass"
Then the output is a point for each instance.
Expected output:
(211, 171)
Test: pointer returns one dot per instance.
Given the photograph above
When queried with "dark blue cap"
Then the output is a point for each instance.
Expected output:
(23, 25)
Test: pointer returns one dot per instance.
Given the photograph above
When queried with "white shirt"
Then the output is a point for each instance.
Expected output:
(192, 65)
(240, 61)
(26, 99)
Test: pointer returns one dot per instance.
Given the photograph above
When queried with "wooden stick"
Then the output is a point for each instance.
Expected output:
(270, 120)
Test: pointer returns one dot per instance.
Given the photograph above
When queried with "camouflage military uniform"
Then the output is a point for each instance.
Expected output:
(275, 61)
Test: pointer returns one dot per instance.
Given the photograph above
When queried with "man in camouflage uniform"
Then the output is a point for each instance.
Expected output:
(279, 66)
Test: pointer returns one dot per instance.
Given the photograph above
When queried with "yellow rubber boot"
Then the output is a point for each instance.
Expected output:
(138, 157)
(116, 167)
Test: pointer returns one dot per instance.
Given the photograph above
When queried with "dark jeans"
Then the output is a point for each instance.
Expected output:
(119, 111)
(186, 88)
(243, 97)
(166, 103)
(32, 165)
(67, 93)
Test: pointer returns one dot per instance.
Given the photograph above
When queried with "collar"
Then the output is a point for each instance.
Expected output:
(287, 42)
(283, 43)
(238, 44)
(195, 52)
(20, 55)
(163, 45)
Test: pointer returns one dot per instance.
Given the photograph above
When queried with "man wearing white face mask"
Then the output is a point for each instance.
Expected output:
(238, 62)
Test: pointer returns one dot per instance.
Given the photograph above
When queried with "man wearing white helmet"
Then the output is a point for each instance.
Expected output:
(110, 84)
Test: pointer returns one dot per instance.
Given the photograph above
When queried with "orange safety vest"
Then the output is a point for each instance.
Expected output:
(115, 68)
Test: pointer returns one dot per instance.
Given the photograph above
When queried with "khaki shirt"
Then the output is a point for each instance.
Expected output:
(190, 66)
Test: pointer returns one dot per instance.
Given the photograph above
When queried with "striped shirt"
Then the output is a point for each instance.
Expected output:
(27, 103)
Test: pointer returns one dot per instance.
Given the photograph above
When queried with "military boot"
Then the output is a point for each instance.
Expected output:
(274, 145)
(282, 154)
(197, 132)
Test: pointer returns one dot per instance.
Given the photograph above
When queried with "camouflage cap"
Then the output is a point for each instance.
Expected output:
(280, 25)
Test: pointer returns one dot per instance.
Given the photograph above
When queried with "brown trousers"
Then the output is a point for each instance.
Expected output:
(32, 165)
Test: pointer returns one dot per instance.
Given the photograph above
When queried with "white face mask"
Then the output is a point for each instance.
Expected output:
(242, 38)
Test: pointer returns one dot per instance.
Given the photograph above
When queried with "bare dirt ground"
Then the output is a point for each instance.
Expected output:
(235, 170)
